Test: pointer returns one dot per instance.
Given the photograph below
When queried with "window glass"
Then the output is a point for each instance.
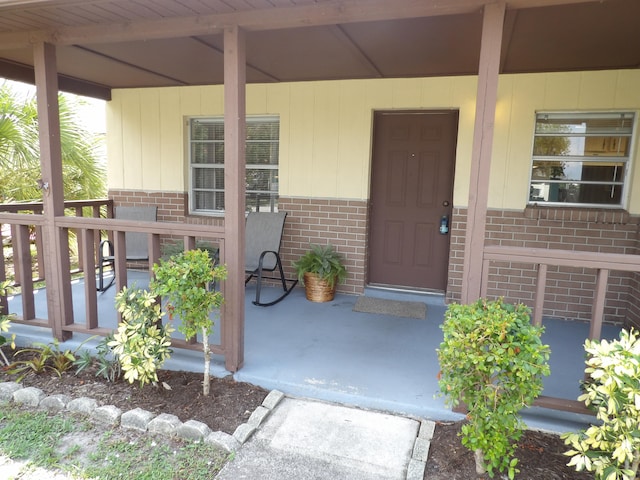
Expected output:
(206, 148)
(581, 158)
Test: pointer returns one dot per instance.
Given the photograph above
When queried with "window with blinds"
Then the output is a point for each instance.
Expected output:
(581, 159)
(206, 160)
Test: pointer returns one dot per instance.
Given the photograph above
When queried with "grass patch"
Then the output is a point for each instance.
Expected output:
(117, 458)
(33, 436)
(62, 442)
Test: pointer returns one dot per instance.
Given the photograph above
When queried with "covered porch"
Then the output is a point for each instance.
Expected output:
(306, 349)
(330, 352)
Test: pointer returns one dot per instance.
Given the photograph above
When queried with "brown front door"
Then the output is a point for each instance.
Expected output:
(411, 191)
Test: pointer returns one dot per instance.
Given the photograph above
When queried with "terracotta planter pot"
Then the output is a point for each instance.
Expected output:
(316, 289)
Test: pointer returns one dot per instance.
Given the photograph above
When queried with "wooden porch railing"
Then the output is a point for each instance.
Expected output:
(602, 263)
(25, 223)
(102, 208)
(89, 232)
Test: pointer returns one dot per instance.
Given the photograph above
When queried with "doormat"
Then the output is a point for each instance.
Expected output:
(396, 308)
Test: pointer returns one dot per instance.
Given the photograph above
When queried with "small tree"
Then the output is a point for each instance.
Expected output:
(611, 449)
(492, 359)
(142, 343)
(185, 280)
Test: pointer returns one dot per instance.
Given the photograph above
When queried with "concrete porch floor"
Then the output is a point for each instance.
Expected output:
(327, 351)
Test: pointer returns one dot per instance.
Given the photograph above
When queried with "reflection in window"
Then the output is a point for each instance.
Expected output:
(206, 148)
(580, 158)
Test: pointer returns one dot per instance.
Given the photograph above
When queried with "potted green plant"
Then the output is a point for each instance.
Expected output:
(320, 270)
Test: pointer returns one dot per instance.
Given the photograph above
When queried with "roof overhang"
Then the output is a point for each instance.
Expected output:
(105, 44)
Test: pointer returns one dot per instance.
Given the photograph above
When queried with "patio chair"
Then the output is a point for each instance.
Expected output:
(263, 235)
(136, 244)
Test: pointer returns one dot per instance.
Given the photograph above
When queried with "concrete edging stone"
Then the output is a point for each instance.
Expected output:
(139, 419)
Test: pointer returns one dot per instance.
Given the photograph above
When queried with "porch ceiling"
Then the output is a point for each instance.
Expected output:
(104, 44)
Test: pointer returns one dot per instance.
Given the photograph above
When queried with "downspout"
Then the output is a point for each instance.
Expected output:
(486, 97)
(56, 240)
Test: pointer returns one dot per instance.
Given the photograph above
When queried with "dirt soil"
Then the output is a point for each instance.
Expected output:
(541, 457)
(230, 404)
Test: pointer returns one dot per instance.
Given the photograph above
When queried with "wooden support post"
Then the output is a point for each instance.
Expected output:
(56, 240)
(234, 195)
(486, 97)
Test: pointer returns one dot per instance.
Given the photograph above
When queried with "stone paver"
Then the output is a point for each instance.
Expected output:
(55, 403)
(193, 430)
(30, 396)
(136, 419)
(165, 424)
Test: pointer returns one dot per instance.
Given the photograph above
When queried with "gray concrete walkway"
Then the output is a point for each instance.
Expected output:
(310, 440)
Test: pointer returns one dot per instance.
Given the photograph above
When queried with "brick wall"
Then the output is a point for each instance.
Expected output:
(569, 291)
(309, 221)
(340, 222)
(344, 223)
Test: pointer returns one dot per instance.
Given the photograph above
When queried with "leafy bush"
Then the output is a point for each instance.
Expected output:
(108, 366)
(40, 358)
(492, 359)
(611, 449)
(142, 342)
(175, 248)
(185, 280)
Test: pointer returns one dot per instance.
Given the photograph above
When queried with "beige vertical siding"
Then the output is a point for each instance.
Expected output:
(520, 96)
(326, 129)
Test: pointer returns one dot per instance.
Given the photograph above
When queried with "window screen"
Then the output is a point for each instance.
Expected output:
(206, 151)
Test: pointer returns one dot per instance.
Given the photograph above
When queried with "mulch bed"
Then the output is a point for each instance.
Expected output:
(231, 403)
(541, 457)
(228, 404)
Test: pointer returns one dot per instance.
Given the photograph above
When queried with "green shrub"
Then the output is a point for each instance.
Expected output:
(142, 343)
(493, 361)
(107, 364)
(40, 358)
(185, 280)
(610, 449)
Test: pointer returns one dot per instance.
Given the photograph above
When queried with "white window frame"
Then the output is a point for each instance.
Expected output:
(253, 197)
(537, 186)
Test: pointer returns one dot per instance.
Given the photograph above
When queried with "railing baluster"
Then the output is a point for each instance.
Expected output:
(597, 309)
(120, 254)
(541, 286)
(484, 283)
(16, 271)
(22, 262)
(4, 304)
(189, 243)
(86, 239)
(39, 252)
(81, 262)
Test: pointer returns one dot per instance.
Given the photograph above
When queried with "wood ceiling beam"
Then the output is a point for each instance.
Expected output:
(331, 12)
